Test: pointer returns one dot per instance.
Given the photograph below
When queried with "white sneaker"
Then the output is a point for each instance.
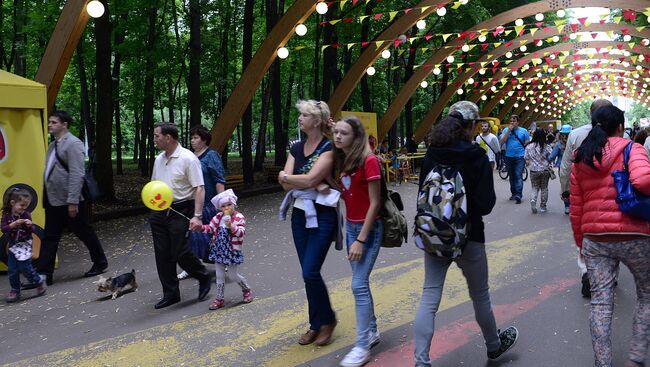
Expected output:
(373, 338)
(356, 358)
(183, 275)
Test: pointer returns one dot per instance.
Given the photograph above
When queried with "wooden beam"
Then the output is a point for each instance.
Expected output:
(252, 76)
(61, 47)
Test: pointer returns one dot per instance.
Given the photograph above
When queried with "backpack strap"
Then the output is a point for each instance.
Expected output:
(58, 158)
(514, 132)
(486, 143)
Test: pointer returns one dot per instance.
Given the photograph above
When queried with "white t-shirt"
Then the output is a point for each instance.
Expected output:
(492, 140)
(181, 171)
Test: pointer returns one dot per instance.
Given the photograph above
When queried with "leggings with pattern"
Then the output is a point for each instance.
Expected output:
(220, 271)
(602, 260)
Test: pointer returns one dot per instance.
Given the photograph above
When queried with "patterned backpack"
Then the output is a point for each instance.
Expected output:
(441, 223)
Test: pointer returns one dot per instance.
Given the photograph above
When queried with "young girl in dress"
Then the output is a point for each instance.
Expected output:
(361, 187)
(228, 228)
(17, 224)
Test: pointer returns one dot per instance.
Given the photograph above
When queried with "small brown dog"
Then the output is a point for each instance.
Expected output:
(117, 285)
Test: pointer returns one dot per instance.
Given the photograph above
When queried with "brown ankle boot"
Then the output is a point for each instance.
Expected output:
(308, 337)
(325, 334)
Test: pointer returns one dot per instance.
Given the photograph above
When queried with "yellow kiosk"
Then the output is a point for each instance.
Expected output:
(23, 143)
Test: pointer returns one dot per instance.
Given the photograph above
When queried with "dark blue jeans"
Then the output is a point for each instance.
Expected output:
(312, 245)
(25, 268)
(515, 166)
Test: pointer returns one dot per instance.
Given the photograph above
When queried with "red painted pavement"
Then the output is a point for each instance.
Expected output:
(453, 336)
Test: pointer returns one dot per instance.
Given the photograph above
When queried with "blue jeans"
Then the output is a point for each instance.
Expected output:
(515, 166)
(16, 267)
(364, 304)
(312, 245)
(473, 264)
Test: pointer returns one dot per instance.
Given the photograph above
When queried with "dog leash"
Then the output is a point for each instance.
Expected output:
(128, 255)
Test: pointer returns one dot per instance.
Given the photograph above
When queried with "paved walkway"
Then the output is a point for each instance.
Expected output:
(533, 279)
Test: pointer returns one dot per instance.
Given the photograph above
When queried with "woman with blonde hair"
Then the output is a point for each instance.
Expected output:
(313, 225)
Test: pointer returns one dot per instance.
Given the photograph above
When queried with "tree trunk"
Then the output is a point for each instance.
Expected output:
(136, 139)
(85, 99)
(260, 149)
(117, 65)
(247, 133)
(194, 75)
(20, 38)
(148, 104)
(105, 106)
(329, 67)
(365, 88)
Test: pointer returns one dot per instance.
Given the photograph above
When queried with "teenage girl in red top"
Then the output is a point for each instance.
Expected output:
(360, 183)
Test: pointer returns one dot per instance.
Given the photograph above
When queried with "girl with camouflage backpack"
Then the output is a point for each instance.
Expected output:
(451, 146)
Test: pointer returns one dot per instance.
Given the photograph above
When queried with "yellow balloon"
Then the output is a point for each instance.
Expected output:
(157, 195)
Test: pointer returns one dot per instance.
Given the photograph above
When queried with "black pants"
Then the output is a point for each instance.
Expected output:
(56, 218)
(172, 247)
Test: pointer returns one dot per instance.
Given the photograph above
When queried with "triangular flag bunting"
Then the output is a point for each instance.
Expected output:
(391, 16)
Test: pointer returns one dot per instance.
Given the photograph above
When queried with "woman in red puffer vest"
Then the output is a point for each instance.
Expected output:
(606, 235)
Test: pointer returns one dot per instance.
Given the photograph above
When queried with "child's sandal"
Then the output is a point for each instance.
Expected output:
(217, 304)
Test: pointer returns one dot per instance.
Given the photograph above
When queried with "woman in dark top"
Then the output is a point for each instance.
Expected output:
(309, 164)
(214, 182)
(450, 145)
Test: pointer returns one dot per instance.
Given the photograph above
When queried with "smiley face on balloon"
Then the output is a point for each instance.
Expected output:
(157, 195)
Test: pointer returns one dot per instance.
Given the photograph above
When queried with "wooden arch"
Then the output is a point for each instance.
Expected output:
(492, 102)
(509, 16)
(449, 92)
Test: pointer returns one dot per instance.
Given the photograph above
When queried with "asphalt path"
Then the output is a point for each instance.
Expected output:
(533, 277)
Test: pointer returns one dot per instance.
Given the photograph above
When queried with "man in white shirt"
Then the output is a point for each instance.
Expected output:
(181, 170)
(575, 139)
(489, 142)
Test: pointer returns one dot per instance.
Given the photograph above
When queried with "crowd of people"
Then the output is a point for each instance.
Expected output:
(335, 161)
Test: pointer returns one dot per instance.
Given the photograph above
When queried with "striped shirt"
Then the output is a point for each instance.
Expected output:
(236, 236)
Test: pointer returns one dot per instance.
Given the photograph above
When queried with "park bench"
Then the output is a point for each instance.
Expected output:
(235, 182)
(272, 173)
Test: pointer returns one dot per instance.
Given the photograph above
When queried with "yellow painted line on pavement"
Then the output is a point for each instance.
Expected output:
(264, 333)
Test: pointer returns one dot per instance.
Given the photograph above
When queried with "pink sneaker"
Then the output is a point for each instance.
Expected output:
(248, 295)
(13, 297)
(217, 304)
(40, 290)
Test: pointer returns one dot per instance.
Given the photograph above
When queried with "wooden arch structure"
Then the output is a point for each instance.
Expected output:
(73, 20)
(491, 104)
(448, 93)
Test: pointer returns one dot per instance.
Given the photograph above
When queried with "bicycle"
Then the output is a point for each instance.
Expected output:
(503, 172)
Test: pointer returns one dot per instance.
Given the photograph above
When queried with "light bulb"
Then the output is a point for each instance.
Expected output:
(482, 38)
(502, 101)
(515, 105)
(465, 48)
(519, 22)
(450, 59)
(424, 84)
(464, 2)
(481, 71)
(539, 17)
(283, 53)
(95, 9)
(301, 29)
(436, 71)
(627, 38)
(470, 81)
(441, 11)
(322, 8)
(460, 91)
(561, 13)
(508, 54)
(421, 24)
(523, 48)
(539, 43)
(371, 71)
(385, 54)
(556, 38)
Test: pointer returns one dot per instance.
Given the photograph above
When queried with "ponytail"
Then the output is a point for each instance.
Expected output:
(605, 121)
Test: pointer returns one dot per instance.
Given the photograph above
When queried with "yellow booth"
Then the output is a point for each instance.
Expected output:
(23, 144)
